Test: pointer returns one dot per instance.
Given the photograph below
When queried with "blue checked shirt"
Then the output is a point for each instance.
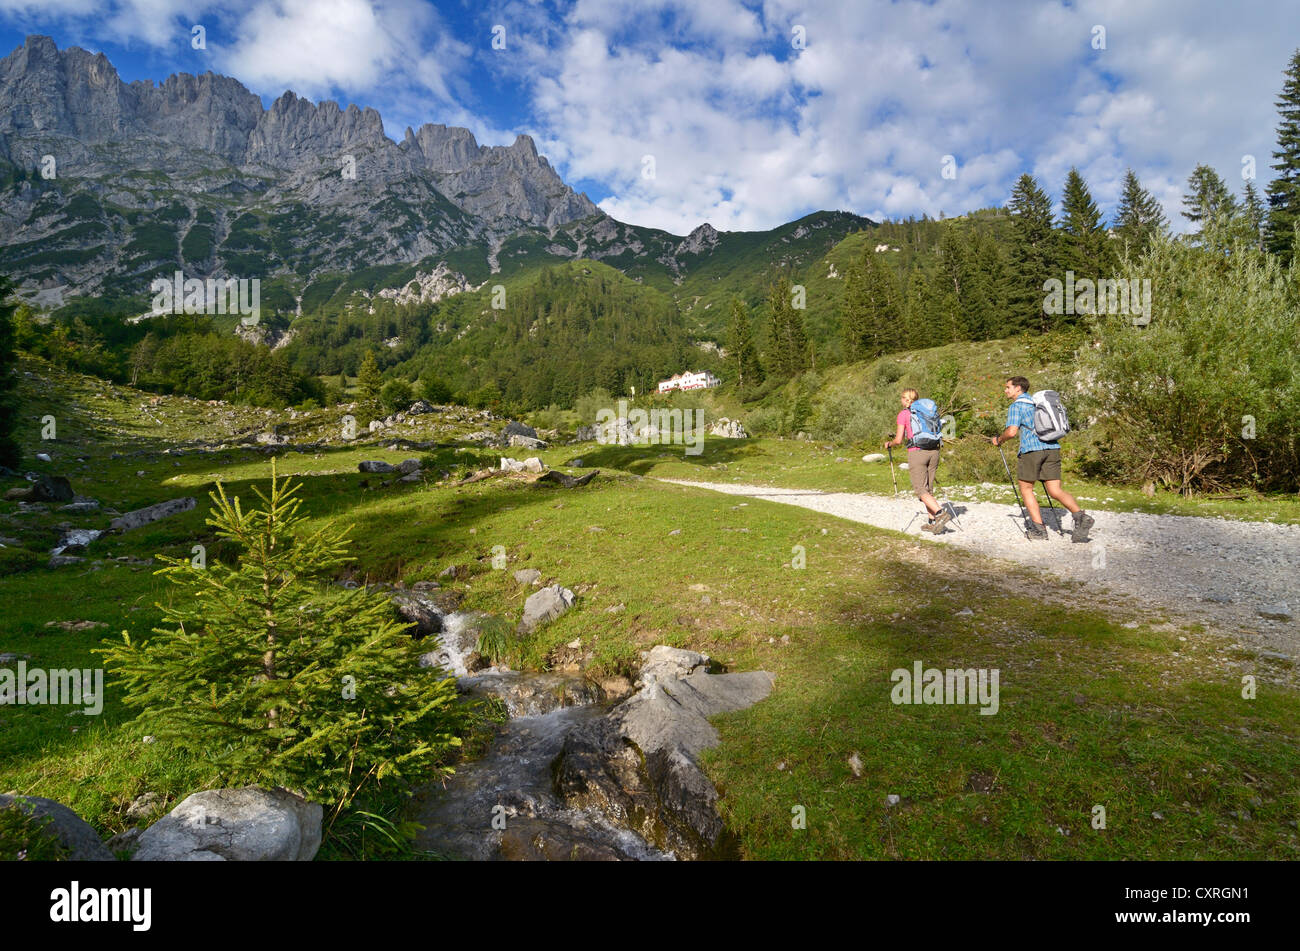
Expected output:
(1021, 414)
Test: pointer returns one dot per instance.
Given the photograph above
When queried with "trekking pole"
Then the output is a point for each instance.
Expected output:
(1014, 488)
(890, 450)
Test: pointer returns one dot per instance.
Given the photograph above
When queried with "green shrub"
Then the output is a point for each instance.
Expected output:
(277, 676)
(971, 460)
(396, 395)
(1207, 394)
(15, 560)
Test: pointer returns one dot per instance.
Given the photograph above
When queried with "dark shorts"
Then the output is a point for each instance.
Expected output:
(921, 467)
(1041, 465)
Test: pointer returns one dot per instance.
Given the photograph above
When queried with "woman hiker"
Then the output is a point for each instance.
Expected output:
(921, 465)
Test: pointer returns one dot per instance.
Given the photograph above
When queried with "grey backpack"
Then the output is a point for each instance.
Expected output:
(1050, 420)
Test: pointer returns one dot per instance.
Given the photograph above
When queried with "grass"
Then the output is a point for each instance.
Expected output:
(1140, 720)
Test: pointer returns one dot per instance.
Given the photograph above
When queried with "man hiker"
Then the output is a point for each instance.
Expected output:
(1038, 461)
(921, 465)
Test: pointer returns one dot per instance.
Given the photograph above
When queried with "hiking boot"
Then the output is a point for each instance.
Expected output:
(1037, 531)
(1082, 522)
(939, 521)
(928, 526)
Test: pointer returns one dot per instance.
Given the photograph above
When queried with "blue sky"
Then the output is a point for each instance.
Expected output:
(752, 113)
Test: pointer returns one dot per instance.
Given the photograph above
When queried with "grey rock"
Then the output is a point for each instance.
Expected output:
(544, 606)
(728, 429)
(80, 508)
(670, 663)
(568, 481)
(511, 465)
(62, 561)
(75, 540)
(423, 614)
(415, 476)
(533, 464)
(375, 465)
(874, 457)
(143, 805)
(675, 714)
(152, 513)
(408, 466)
(514, 428)
(50, 488)
(528, 576)
(44, 457)
(126, 841)
(526, 442)
(235, 825)
(75, 834)
(1280, 611)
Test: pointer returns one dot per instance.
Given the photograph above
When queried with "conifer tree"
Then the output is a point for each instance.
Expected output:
(788, 344)
(1083, 240)
(742, 353)
(278, 677)
(369, 379)
(1033, 254)
(1207, 198)
(1254, 218)
(1284, 190)
(870, 317)
(1139, 217)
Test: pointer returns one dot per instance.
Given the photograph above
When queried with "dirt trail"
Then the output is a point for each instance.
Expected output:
(1214, 570)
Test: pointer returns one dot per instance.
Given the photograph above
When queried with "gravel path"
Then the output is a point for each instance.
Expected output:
(1213, 570)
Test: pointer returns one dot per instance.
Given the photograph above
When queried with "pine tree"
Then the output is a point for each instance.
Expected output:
(369, 379)
(276, 676)
(1253, 215)
(1139, 218)
(788, 345)
(742, 352)
(1207, 198)
(9, 453)
(870, 318)
(1034, 255)
(1284, 190)
(1083, 240)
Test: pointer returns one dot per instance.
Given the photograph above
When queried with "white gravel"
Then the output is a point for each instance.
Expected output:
(1216, 570)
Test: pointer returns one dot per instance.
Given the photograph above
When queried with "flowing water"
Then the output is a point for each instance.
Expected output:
(502, 805)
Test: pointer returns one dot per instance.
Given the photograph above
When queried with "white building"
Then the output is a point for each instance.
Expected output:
(689, 381)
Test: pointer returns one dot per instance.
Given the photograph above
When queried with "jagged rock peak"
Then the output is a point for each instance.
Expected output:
(701, 239)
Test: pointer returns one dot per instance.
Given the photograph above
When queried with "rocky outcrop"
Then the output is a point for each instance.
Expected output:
(74, 834)
(152, 513)
(235, 825)
(728, 429)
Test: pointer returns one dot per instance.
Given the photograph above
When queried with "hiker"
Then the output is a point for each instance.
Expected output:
(1038, 461)
(921, 462)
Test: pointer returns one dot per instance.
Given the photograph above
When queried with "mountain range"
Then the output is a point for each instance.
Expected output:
(105, 185)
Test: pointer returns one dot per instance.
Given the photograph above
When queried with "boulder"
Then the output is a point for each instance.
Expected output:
(544, 606)
(422, 613)
(528, 576)
(874, 457)
(675, 714)
(408, 466)
(73, 832)
(81, 507)
(1280, 611)
(75, 540)
(152, 513)
(533, 464)
(235, 825)
(20, 494)
(52, 489)
(527, 442)
(511, 465)
(375, 465)
(43, 457)
(568, 481)
(419, 408)
(670, 663)
(728, 429)
(514, 428)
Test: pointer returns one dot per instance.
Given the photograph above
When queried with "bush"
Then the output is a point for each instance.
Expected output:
(1207, 395)
(971, 460)
(396, 395)
(435, 390)
(280, 678)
